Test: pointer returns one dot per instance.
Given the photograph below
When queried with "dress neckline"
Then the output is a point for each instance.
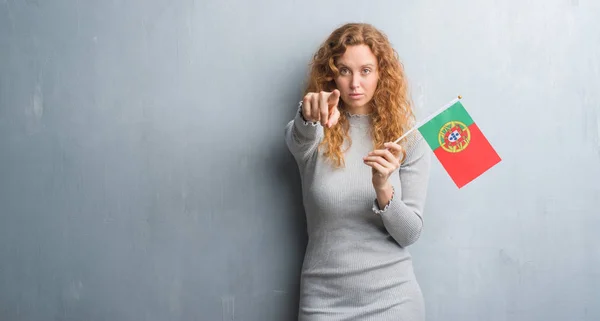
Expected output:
(358, 120)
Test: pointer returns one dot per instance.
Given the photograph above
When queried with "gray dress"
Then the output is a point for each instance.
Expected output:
(357, 266)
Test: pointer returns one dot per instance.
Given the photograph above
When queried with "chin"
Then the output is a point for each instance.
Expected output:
(355, 104)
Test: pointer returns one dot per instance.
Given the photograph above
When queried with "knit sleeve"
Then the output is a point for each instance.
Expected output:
(403, 215)
(302, 137)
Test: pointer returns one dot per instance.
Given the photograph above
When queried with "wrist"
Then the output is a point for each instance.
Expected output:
(384, 194)
(385, 187)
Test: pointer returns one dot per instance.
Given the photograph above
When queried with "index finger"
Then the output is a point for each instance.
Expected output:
(333, 98)
(393, 147)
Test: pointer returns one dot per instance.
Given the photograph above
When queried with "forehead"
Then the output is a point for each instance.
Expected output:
(357, 56)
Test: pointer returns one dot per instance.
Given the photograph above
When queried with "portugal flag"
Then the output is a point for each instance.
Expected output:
(459, 144)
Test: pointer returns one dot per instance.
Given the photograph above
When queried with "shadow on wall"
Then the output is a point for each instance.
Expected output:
(295, 226)
(284, 169)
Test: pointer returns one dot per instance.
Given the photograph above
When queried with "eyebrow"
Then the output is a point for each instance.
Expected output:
(365, 65)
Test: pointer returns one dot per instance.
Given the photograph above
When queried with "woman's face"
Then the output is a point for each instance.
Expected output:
(357, 79)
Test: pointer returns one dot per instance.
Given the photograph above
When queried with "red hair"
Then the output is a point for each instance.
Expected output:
(392, 113)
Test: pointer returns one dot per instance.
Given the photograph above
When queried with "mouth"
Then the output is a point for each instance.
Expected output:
(355, 96)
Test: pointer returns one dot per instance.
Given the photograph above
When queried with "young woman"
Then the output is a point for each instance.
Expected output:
(363, 194)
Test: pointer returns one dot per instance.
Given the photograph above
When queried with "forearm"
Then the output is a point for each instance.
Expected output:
(402, 223)
(401, 207)
(301, 136)
(384, 195)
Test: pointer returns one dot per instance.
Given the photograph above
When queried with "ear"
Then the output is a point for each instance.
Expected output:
(329, 78)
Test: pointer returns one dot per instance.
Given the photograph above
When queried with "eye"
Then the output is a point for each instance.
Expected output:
(366, 70)
(344, 71)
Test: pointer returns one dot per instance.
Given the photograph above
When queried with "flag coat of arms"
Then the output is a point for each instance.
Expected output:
(458, 143)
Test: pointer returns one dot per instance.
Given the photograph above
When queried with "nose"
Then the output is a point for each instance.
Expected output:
(355, 83)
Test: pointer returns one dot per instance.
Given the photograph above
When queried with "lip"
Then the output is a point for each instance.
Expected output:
(355, 96)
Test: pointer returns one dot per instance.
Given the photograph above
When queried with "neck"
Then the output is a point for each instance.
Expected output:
(362, 110)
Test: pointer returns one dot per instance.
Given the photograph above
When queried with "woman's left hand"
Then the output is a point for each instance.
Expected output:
(383, 162)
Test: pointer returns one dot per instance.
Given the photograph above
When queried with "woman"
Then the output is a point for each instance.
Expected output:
(363, 194)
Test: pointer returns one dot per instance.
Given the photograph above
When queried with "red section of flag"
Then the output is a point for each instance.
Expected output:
(463, 167)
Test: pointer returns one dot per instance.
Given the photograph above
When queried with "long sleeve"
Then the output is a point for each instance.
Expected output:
(302, 137)
(403, 215)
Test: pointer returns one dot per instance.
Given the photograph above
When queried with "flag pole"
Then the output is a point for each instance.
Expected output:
(428, 118)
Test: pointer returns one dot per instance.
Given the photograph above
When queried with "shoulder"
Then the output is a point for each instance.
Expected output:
(413, 141)
(415, 146)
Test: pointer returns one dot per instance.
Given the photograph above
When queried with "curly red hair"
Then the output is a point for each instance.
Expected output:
(392, 113)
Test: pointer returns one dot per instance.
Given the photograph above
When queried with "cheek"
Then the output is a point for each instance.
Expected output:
(342, 85)
(370, 84)
(340, 82)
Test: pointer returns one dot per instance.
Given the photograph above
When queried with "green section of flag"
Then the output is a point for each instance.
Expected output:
(431, 129)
